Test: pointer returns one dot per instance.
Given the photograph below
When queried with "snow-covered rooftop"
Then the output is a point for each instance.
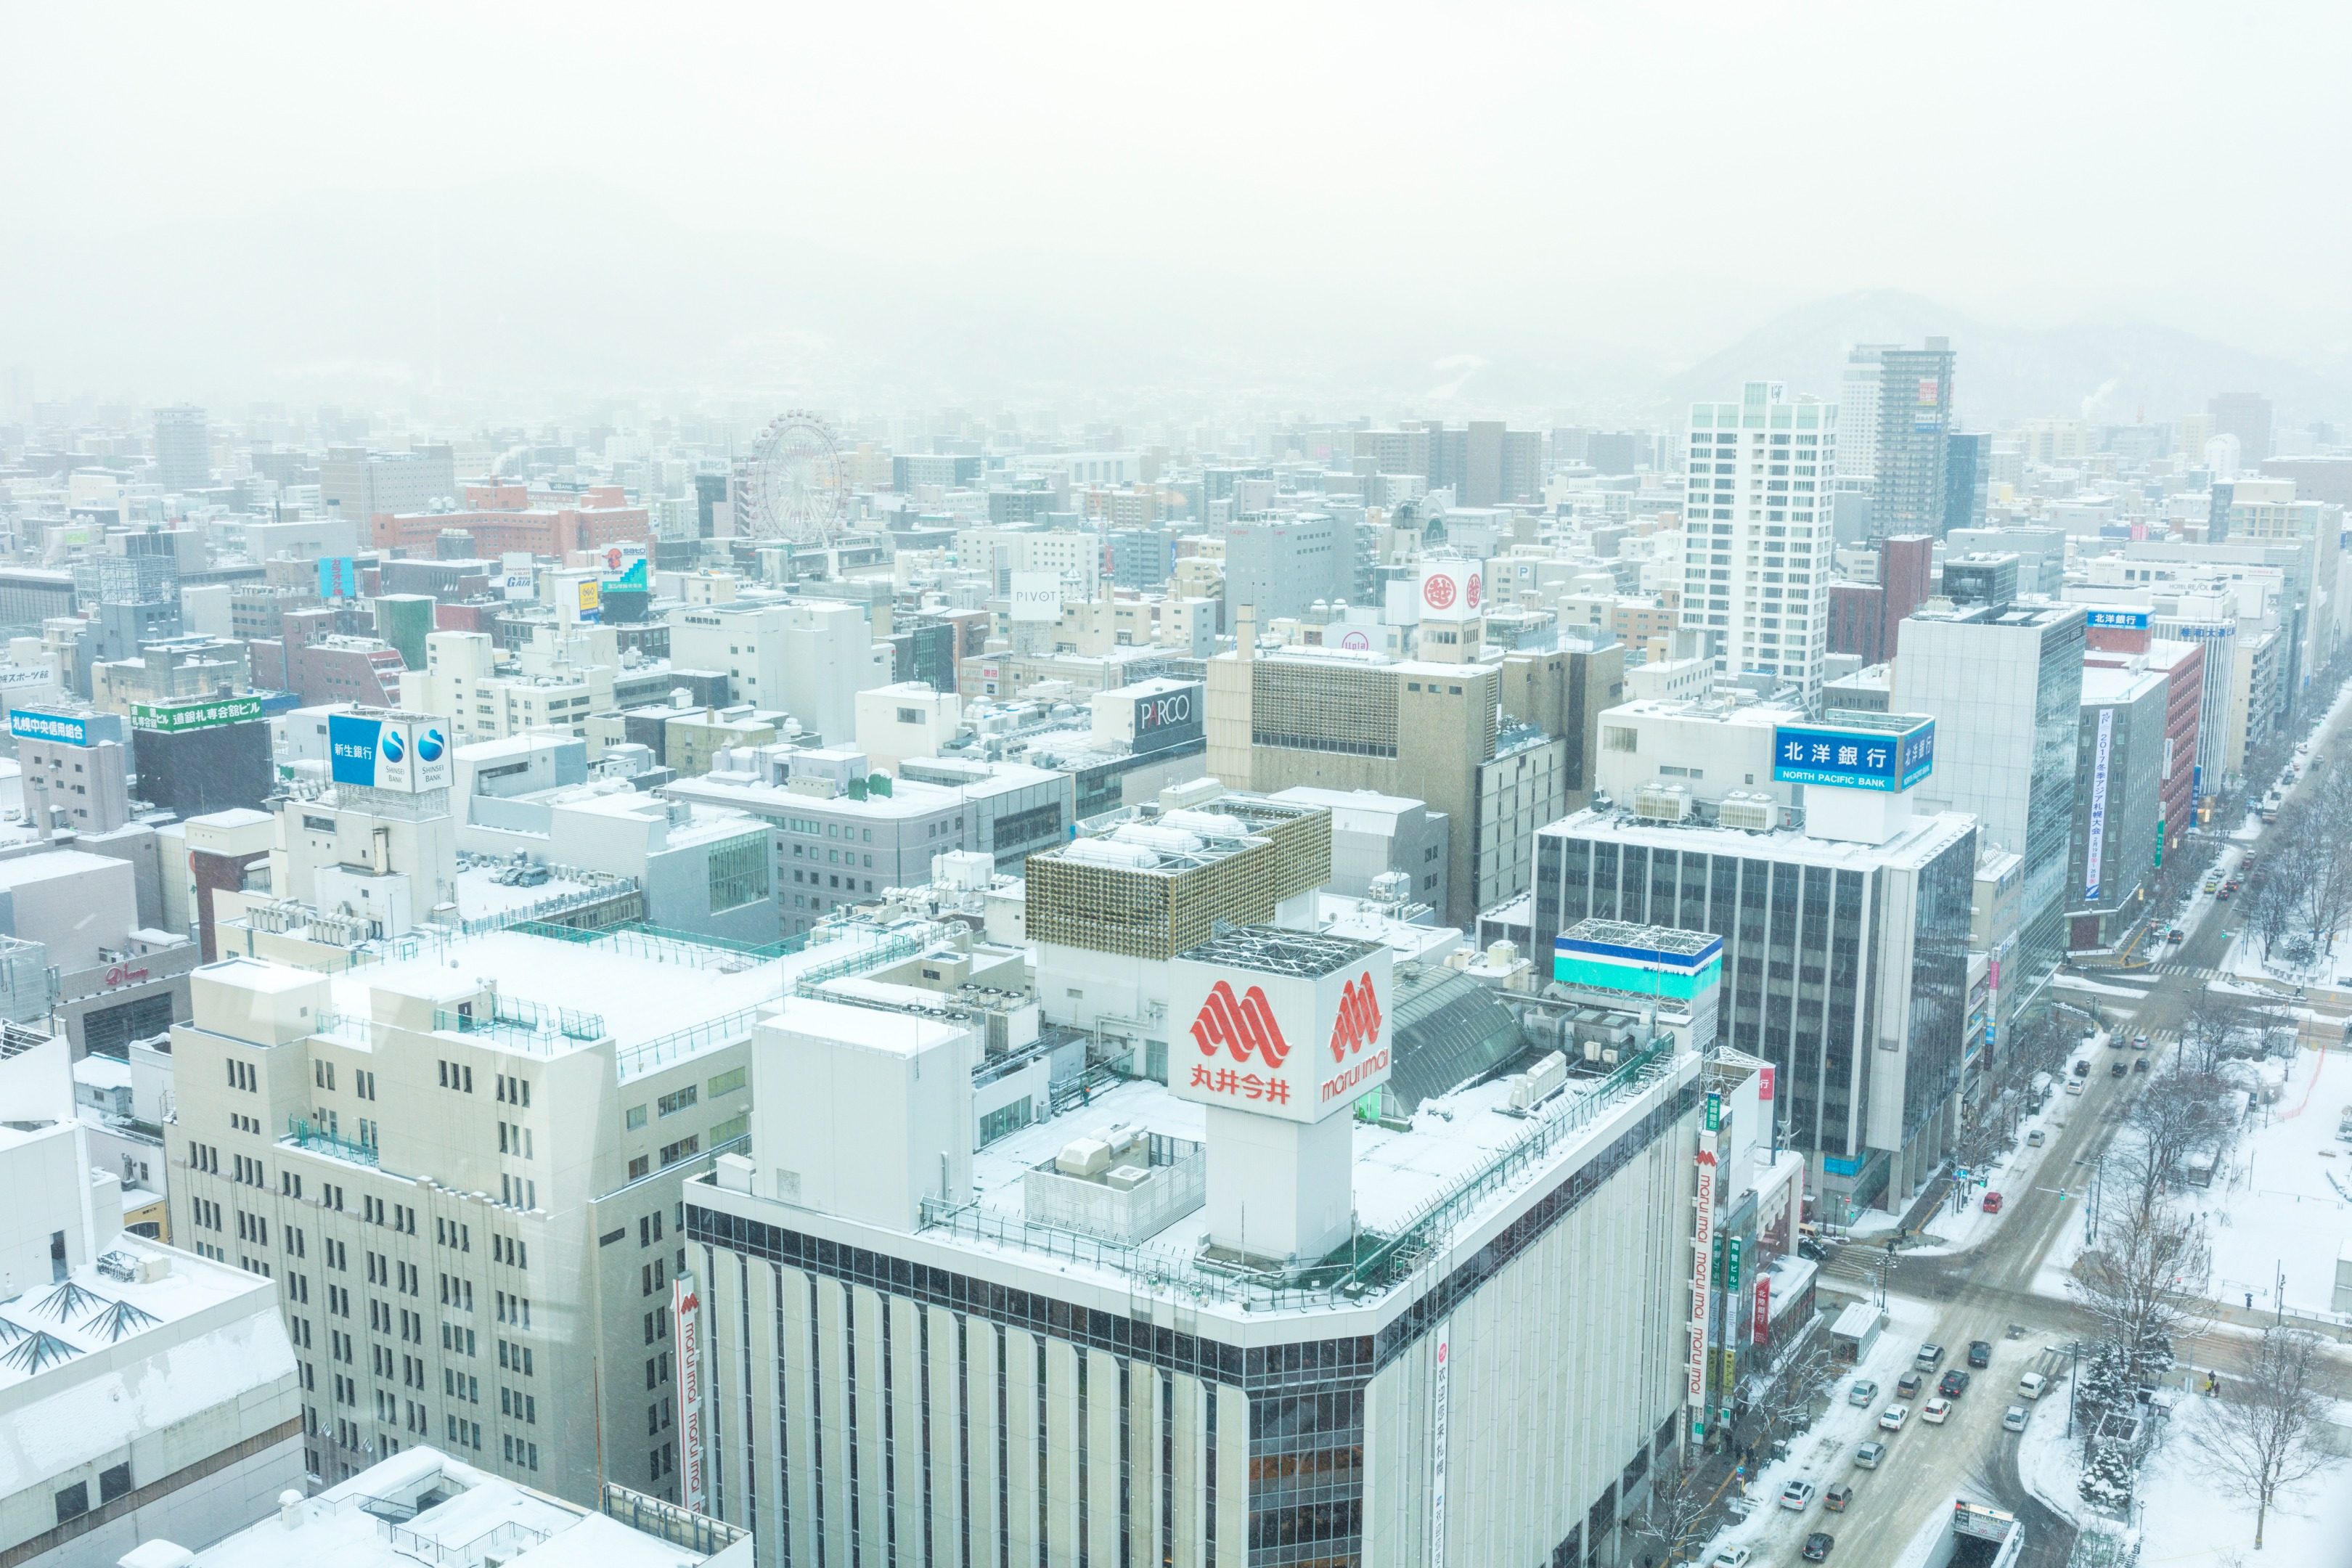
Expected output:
(90, 1363)
(470, 1518)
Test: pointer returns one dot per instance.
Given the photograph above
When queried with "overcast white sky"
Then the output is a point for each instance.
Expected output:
(1656, 177)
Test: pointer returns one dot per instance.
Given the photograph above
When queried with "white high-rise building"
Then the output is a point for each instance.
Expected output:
(1857, 420)
(1756, 560)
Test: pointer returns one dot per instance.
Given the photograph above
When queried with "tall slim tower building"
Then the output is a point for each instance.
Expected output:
(183, 452)
(1914, 425)
(1756, 556)
(1858, 396)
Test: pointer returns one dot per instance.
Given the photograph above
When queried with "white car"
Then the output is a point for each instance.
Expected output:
(1732, 1557)
(2013, 1419)
(1894, 1416)
(1796, 1495)
(2033, 1384)
(1936, 1412)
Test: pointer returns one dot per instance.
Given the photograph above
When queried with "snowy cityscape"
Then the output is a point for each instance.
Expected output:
(792, 789)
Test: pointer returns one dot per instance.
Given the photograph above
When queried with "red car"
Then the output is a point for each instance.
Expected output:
(1992, 1202)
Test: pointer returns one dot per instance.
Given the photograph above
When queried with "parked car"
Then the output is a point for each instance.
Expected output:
(1908, 1385)
(1992, 1202)
(1955, 1383)
(1863, 1392)
(1796, 1495)
(1817, 1546)
(1894, 1416)
(1733, 1557)
(1930, 1356)
(2035, 1137)
(1980, 1353)
(1936, 1412)
(2032, 1385)
(1869, 1453)
(1837, 1497)
(2083, 1067)
(2013, 1419)
(2074, 1086)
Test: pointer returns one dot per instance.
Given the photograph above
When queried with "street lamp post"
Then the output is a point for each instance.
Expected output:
(2073, 1379)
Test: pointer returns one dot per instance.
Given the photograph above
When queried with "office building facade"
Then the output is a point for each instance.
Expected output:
(2004, 684)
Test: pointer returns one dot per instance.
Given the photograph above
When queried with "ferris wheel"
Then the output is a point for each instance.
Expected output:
(794, 487)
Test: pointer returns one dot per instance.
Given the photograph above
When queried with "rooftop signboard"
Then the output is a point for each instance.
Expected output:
(1854, 755)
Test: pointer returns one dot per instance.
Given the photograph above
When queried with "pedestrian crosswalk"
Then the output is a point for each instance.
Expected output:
(2193, 970)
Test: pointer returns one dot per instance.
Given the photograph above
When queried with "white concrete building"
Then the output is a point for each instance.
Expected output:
(143, 1391)
(1227, 1321)
(1760, 472)
(462, 1163)
(810, 659)
(424, 1506)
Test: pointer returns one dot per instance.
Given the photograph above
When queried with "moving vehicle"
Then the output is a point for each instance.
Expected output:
(1837, 1497)
(1980, 1353)
(1930, 1356)
(1796, 1495)
(1894, 1416)
(2117, 1070)
(2140, 1066)
(1908, 1385)
(2013, 1419)
(1955, 1383)
(2140, 1042)
(1817, 1546)
(1863, 1392)
(1992, 1202)
(1867, 1457)
(2033, 1384)
(1936, 1412)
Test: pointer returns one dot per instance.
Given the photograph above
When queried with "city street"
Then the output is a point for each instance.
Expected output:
(1986, 1292)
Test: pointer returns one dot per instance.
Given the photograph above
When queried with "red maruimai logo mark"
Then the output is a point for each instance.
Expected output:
(1243, 1025)
(1358, 1024)
(1438, 591)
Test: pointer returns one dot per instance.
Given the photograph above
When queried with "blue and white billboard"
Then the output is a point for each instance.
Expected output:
(1842, 758)
(398, 753)
(31, 724)
(2124, 620)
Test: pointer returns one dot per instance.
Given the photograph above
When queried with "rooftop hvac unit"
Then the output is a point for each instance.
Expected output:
(1659, 802)
(1540, 1082)
(1753, 811)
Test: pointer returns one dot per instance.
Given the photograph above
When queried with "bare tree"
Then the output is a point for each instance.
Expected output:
(2178, 1116)
(2143, 1284)
(1784, 1402)
(1675, 1519)
(2215, 1019)
(2262, 1434)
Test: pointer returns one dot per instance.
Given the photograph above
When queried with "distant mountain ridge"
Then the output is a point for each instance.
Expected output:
(2109, 373)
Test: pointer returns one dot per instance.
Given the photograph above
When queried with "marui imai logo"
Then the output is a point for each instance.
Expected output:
(1356, 1033)
(1243, 1026)
(1359, 1022)
(1439, 592)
